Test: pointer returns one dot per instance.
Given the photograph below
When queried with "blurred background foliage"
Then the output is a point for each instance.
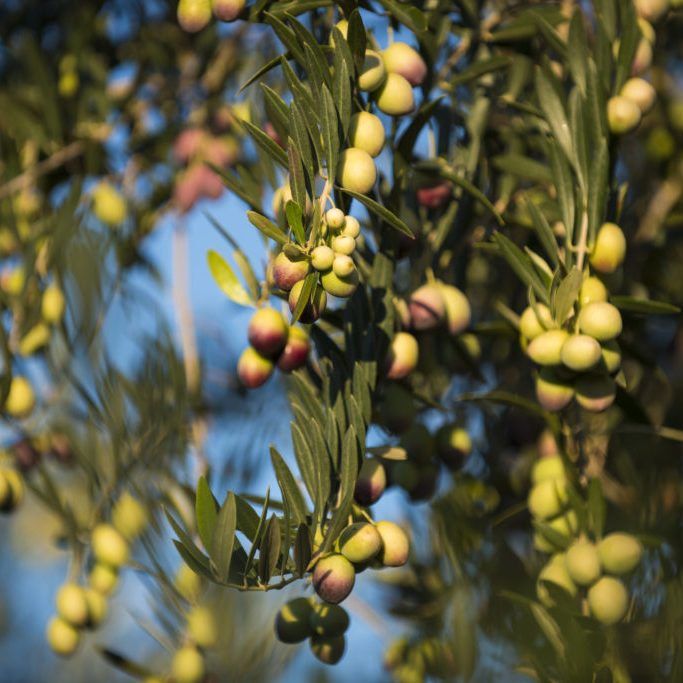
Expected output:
(135, 384)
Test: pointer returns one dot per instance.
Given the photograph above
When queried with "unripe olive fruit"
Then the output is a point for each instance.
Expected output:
(581, 352)
(395, 97)
(372, 73)
(583, 563)
(427, 307)
(405, 474)
(129, 516)
(343, 266)
(338, 286)
(623, 115)
(641, 92)
(418, 443)
(12, 489)
(286, 272)
(546, 349)
(547, 498)
(611, 356)
(541, 543)
(20, 399)
(552, 391)
(395, 544)
(652, 10)
(609, 249)
(53, 304)
(608, 600)
(371, 482)
(187, 665)
(103, 578)
(254, 369)
(97, 607)
(228, 10)
(642, 60)
(109, 546)
(458, 310)
(296, 350)
(351, 227)
(402, 356)
(595, 393)
(36, 338)
(343, 244)
(453, 445)
(534, 322)
(293, 621)
(592, 290)
(547, 469)
(109, 206)
(356, 170)
(401, 58)
(360, 542)
(322, 257)
(72, 605)
(329, 620)
(333, 578)
(268, 331)
(427, 483)
(366, 132)
(554, 572)
(188, 583)
(601, 320)
(620, 553)
(201, 627)
(335, 218)
(328, 650)
(62, 637)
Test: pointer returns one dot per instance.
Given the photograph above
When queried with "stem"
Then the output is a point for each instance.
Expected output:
(582, 246)
(27, 178)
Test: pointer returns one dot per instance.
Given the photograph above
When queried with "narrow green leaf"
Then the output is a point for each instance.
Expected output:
(566, 295)
(473, 190)
(521, 264)
(633, 305)
(269, 550)
(267, 227)
(288, 38)
(305, 461)
(544, 232)
(357, 38)
(266, 144)
(381, 212)
(343, 97)
(223, 539)
(310, 284)
(295, 220)
(597, 507)
(297, 182)
(302, 550)
(288, 486)
(226, 279)
(299, 134)
(330, 130)
(206, 511)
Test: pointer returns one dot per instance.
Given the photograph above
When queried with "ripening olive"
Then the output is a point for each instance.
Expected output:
(548, 468)
(296, 350)
(103, 578)
(427, 307)
(395, 96)
(268, 331)
(329, 620)
(316, 304)
(335, 218)
(402, 356)
(109, 546)
(556, 573)
(641, 92)
(328, 650)
(373, 73)
(360, 542)
(187, 665)
(458, 310)
(592, 290)
(546, 349)
(343, 266)
(72, 604)
(333, 578)
(583, 563)
(371, 482)
(228, 10)
(620, 553)
(534, 322)
(356, 170)
(342, 287)
(581, 352)
(62, 637)
(601, 320)
(395, 544)
(609, 249)
(351, 227)
(293, 621)
(608, 600)
(129, 516)
(286, 272)
(254, 369)
(366, 132)
(20, 399)
(595, 393)
(623, 115)
(547, 498)
(109, 206)
(401, 58)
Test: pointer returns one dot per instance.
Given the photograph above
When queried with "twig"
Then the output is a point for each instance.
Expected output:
(27, 178)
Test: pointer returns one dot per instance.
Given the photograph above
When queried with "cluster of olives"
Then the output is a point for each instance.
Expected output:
(418, 474)
(324, 624)
(331, 257)
(194, 147)
(411, 662)
(578, 360)
(272, 343)
(11, 489)
(81, 607)
(637, 96)
(593, 567)
(108, 204)
(194, 15)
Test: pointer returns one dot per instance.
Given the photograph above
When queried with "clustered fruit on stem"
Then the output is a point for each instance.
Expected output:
(579, 358)
(576, 562)
(273, 343)
(195, 15)
(80, 607)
